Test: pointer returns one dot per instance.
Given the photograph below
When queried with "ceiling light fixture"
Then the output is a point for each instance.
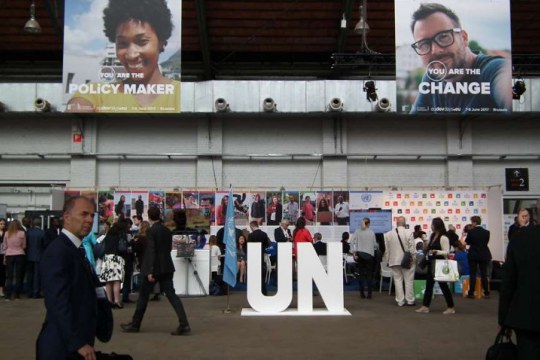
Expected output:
(32, 26)
(362, 29)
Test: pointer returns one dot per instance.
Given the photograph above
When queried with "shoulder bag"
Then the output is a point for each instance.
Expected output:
(407, 260)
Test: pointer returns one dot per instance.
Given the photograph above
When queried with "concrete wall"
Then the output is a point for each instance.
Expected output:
(294, 151)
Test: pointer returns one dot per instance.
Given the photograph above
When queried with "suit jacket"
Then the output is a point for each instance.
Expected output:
(157, 256)
(320, 248)
(393, 253)
(520, 288)
(35, 244)
(478, 239)
(279, 236)
(69, 288)
(260, 237)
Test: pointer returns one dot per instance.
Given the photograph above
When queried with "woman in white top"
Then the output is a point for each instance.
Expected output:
(363, 245)
(215, 255)
(438, 248)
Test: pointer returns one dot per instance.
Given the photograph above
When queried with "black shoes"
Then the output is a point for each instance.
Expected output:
(181, 330)
(129, 328)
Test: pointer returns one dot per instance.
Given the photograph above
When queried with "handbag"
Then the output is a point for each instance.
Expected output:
(99, 250)
(446, 270)
(503, 348)
(407, 260)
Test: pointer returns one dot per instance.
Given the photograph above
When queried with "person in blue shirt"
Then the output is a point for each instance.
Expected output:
(456, 79)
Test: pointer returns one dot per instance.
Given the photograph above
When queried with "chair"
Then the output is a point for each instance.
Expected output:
(346, 268)
(269, 267)
(386, 272)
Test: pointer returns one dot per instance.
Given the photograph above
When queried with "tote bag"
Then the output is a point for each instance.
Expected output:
(446, 270)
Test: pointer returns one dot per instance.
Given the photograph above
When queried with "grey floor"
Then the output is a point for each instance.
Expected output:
(377, 329)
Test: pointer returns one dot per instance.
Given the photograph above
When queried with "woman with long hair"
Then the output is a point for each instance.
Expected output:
(363, 246)
(438, 248)
(274, 211)
(241, 257)
(3, 231)
(221, 211)
(257, 209)
(300, 234)
(112, 268)
(14, 245)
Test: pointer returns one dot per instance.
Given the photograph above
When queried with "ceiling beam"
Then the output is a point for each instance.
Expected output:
(343, 32)
(203, 36)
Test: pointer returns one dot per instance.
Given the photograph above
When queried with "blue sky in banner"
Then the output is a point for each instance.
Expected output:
(83, 29)
(486, 21)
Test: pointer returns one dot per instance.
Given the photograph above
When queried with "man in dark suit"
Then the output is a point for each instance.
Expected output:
(35, 240)
(157, 266)
(282, 233)
(520, 294)
(319, 245)
(259, 236)
(69, 289)
(479, 255)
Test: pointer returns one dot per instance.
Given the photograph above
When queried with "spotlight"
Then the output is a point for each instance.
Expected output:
(32, 26)
(222, 105)
(42, 105)
(383, 105)
(335, 105)
(371, 91)
(518, 89)
(269, 105)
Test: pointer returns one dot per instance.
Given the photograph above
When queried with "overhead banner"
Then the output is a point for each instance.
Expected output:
(453, 56)
(122, 56)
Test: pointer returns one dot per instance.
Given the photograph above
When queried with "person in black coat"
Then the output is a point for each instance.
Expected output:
(520, 293)
(282, 233)
(158, 267)
(69, 287)
(35, 240)
(479, 255)
(259, 236)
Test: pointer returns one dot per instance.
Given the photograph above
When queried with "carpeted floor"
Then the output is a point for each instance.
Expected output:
(377, 329)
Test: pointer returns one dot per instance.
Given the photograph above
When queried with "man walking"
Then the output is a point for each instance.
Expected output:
(35, 240)
(157, 266)
(479, 255)
(396, 243)
(69, 288)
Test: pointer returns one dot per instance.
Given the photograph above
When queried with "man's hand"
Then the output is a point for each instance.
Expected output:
(87, 352)
(151, 278)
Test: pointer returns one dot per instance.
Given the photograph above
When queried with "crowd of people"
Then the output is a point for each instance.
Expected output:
(126, 243)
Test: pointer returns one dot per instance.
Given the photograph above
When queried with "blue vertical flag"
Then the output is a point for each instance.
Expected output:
(229, 238)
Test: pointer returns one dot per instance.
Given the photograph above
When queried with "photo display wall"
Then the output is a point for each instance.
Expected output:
(207, 208)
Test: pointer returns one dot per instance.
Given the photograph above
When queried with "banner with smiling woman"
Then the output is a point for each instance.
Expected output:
(122, 56)
(453, 56)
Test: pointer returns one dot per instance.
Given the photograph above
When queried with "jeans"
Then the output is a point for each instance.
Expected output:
(473, 266)
(430, 282)
(14, 276)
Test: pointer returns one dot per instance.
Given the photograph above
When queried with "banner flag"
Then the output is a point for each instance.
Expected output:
(453, 56)
(229, 238)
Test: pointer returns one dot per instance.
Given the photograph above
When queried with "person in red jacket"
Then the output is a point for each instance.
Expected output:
(301, 234)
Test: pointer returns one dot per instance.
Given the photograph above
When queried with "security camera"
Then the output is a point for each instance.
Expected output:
(222, 105)
(383, 105)
(335, 105)
(42, 105)
(269, 105)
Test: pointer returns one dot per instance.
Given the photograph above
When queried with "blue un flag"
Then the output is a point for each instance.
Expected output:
(229, 238)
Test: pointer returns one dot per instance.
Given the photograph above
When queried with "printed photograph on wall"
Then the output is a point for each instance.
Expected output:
(122, 56)
(324, 208)
(122, 204)
(341, 208)
(274, 209)
(453, 56)
(241, 208)
(71, 193)
(291, 208)
(222, 201)
(173, 201)
(190, 199)
(139, 204)
(308, 206)
(156, 198)
(257, 207)
(207, 206)
(90, 195)
(105, 207)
